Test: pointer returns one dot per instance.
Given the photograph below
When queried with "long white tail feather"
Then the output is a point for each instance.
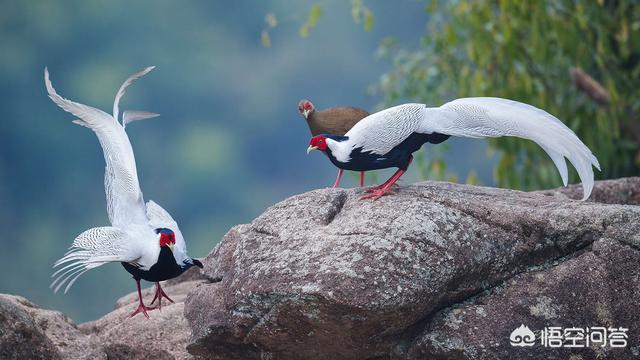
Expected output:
(125, 85)
(560, 163)
(73, 280)
(59, 282)
(493, 117)
(63, 269)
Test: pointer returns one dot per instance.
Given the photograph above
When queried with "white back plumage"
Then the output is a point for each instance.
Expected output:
(131, 238)
(477, 118)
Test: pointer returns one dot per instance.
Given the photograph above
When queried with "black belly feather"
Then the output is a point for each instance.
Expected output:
(398, 157)
(166, 268)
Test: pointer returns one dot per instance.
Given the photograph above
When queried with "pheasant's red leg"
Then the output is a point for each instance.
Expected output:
(376, 193)
(361, 178)
(159, 295)
(389, 182)
(381, 186)
(337, 183)
(141, 307)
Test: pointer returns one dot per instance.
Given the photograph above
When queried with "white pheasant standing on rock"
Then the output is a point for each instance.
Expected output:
(389, 138)
(144, 238)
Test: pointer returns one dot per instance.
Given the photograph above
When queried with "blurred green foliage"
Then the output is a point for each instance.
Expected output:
(314, 15)
(362, 14)
(524, 50)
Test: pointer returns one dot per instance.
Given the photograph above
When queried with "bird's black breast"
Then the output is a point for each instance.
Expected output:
(397, 157)
(166, 268)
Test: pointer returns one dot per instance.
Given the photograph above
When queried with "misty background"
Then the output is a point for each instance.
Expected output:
(229, 141)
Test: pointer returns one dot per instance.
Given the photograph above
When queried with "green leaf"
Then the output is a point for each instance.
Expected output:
(368, 20)
(271, 20)
(265, 39)
(304, 31)
(314, 15)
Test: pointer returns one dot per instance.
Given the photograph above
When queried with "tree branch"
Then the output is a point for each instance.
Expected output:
(590, 86)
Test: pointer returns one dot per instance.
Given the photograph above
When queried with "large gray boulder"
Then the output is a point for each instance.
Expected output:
(29, 332)
(437, 271)
(22, 335)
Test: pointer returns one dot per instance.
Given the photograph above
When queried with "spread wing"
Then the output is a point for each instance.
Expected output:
(382, 131)
(125, 204)
(493, 117)
(160, 218)
(92, 248)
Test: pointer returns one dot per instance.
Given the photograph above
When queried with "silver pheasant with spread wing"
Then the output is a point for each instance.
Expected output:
(389, 138)
(143, 237)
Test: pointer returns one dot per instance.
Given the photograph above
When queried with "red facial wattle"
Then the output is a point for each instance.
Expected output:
(319, 142)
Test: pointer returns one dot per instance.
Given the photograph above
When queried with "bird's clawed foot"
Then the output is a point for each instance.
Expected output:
(159, 295)
(142, 308)
(376, 193)
(394, 188)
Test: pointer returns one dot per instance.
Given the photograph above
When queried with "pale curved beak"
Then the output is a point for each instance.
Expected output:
(311, 148)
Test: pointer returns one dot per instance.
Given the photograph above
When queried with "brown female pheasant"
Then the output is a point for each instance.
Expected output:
(335, 121)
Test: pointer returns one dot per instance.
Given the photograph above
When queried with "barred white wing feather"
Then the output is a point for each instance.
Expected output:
(160, 218)
(382, 131)
(91, 249)
(125, 203)
(493, 117)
